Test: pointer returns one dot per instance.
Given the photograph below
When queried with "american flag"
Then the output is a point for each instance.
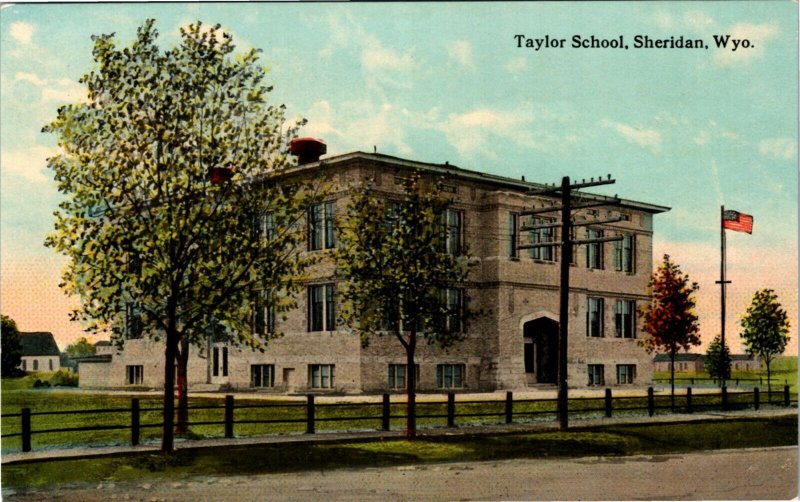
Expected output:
(736, 221)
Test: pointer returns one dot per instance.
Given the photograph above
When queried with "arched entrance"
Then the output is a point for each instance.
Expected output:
(540, 338)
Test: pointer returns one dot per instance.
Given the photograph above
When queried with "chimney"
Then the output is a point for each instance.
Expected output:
(308, 149)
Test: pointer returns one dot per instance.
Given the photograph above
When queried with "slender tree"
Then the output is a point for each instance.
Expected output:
(11, 347)
(718, 362)
(174, 217)
(670, 321)
(404, 269)
(765, 329)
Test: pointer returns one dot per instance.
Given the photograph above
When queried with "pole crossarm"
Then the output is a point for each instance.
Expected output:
(574, 243)
(556, 190)
(574, 224)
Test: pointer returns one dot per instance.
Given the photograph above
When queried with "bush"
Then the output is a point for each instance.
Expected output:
(38, 383)
(64, 378)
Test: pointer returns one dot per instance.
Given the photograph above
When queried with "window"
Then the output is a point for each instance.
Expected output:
(133, 321)
(626, 373)
(24, 365)
(320, 376)
(594, 317)
(216, 366)
(541, 235)
(262, 375)
(452, 299)
(397, 376)
(596, 376)
(321, 308)
(263, 317)
(452, 222)
(624, 254)
(449, 376)
(50, 364)
(35, 364)
(594, 251)
(320, 226)
(135, 374)
(268, 229)
(512, 235)
(573, 234)
(623, 318)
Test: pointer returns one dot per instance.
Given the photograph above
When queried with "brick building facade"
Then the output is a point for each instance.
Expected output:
(510, 346)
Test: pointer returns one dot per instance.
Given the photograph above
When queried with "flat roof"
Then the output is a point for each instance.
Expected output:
(451, 170)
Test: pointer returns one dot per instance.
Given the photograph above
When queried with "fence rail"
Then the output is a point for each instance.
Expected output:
(508, 409)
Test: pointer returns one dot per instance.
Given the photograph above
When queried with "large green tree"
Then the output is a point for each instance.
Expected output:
(11, 347)
(404, 269)
(80, 348)
(765, 328)
(718, 361)
(670, 320)
(174, 218)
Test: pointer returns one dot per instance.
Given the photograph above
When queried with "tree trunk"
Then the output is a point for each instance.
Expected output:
(167, 444)
(672, 377)
(769, 383)
(411, 387)
(181, 427)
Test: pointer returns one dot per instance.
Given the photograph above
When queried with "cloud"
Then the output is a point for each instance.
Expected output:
(516, 64)
(461, 52)
(378, 57)
(21, 32)
(757, 34)
(697, 20)
(29, 77)
(29, 164)
(649, 139)
(779, 148)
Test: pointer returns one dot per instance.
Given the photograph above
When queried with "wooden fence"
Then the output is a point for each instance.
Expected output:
(606, 405)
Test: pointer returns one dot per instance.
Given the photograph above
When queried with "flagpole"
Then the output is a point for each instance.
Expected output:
(722, 284)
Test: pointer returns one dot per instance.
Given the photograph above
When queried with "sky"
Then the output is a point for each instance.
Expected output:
(691, 129)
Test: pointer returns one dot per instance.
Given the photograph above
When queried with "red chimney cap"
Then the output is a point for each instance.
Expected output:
(308, 149)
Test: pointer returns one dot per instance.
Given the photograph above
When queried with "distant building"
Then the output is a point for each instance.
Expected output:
(40, 352)
(683, 362)
(103, 348)
(696, 362)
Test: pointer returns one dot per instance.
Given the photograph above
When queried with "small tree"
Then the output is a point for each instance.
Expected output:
(11, 347)
(765, 328)
(403, 267)
(718, 362)
(80, 348)
(670, 322)
(174, 216)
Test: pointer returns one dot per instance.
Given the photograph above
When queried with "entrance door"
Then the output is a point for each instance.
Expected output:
(541, 350)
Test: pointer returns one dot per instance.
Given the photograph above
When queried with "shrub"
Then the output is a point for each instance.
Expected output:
(64, 378)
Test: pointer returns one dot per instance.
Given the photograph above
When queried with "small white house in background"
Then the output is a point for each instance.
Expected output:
(40, 352)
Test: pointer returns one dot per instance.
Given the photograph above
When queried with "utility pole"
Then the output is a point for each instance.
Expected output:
(567, 243)
(722, 282)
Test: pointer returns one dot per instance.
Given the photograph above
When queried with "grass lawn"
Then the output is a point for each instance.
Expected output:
(612, 440)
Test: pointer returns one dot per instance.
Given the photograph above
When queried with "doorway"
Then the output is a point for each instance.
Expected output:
(540, 342)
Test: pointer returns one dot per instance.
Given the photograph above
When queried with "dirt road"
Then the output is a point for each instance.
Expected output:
(724, 474)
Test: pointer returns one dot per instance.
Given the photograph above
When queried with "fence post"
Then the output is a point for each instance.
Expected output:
(724, 397)
(651, 405)
(608, 403)
(386, 412)
(229, 416)
(756, 398)
(689, 408)
(509, 407)
(134, 421)
(26, 429)
(451, 409)
(786, 400)
(310, 414)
